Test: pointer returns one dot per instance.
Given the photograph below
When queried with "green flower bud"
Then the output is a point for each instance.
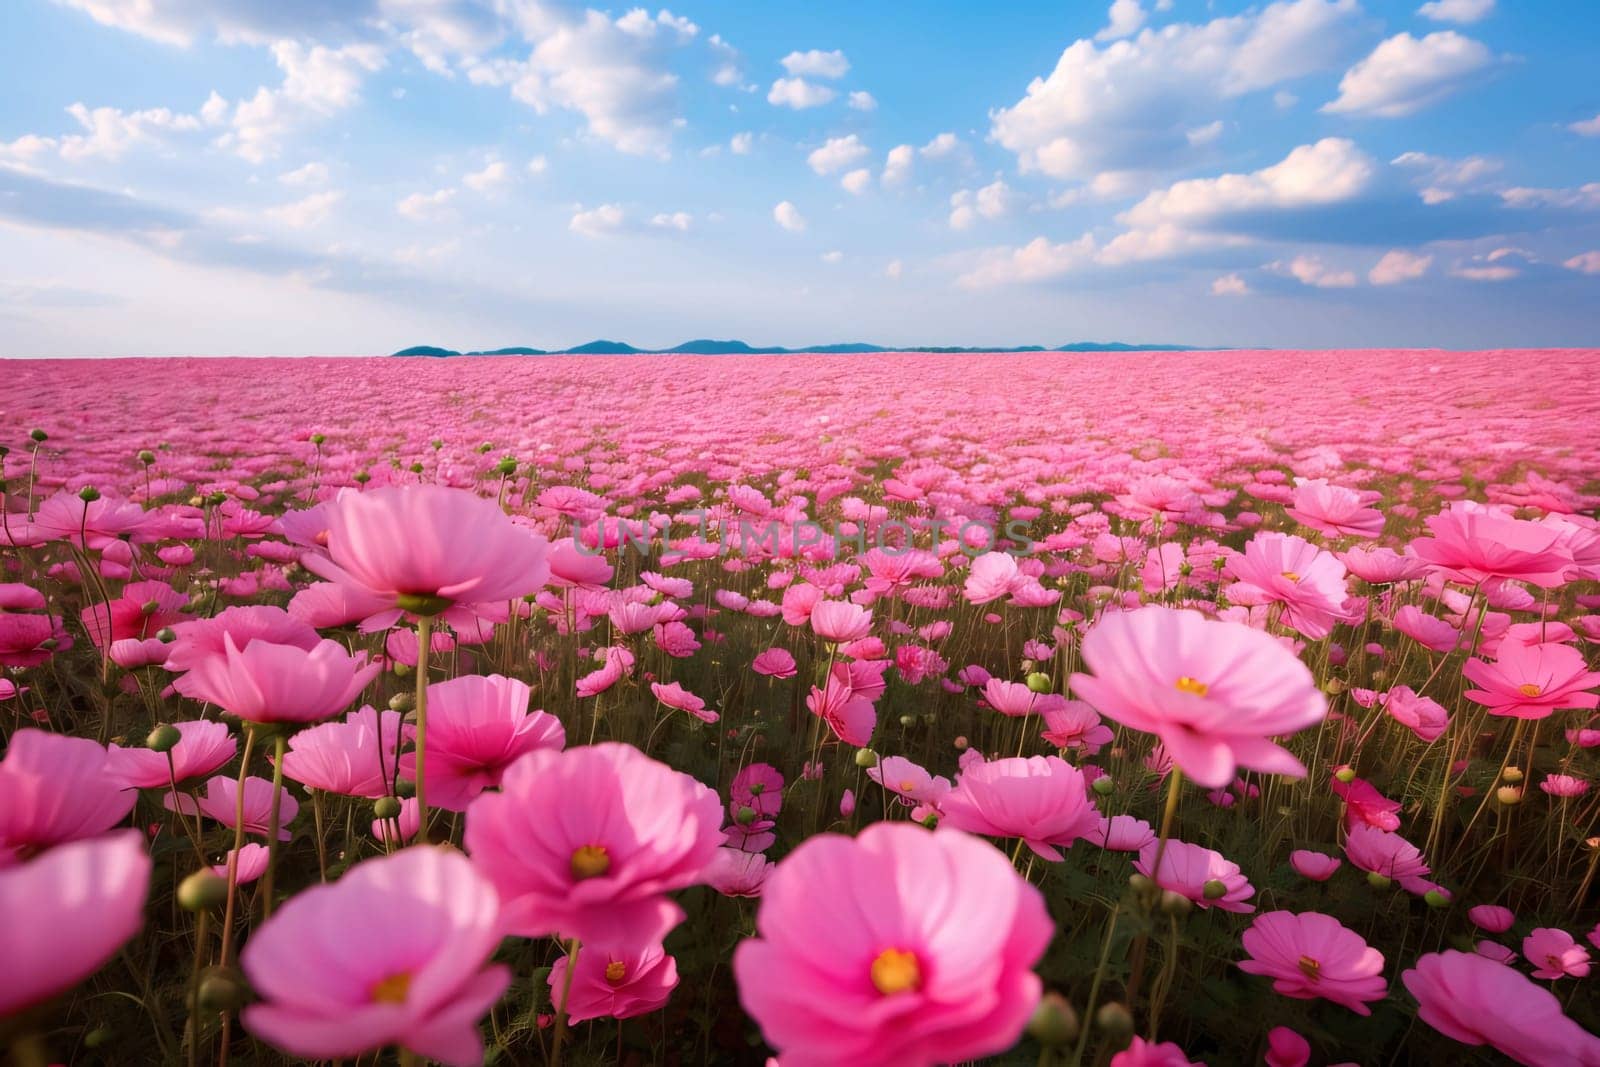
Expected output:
(163, 738)
(1104, 785)
(88, 494)
(1114, 1019)
(97, 1037)
(149, 607)
(507, 466)
(1345, 774)
(1436, 899)
(222, 990)
(166, 635)
(146, 456)
(908, 720)
(402, 702)
(865, 757)
(1378, 881)
(405, 787)
(1175, 904)
(1215, 889)
(317, 438)
(204, 890)
(1038, 682)
(745, 816)
(39, 436)
(1054, 1022)
(386, 808)
(361, 478)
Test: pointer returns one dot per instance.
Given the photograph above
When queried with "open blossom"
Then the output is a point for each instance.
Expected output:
(1074, 724)
(632, 831)
(1554, 954)
(55, 789)
(24, 631)
(676, 696)
(1285, 1048)
(736, 872)
(872, 973)
(909, 781)
(1142, 1053)
(1532, 681)
(1121, 833)
(1388, 854)
(1423, 716)
(1477, 1001)
(347, 756)
(404, 941)
(840, 621)
(1310, 955)
(1041, 799)
(67, 912)
(1282, 569)
(220, 802)
(1364, 805)
(991, 576)
(1190, 869)
(478, 725)
(1317, 866)
(249, 865)
(1213, 692)
(614, 983)
(1476, 545)
(1429, 631)
(266, 683)
(1491, 917)
(774, 663)
(1335, 510)
(204, 747)
(1563, 785)
(849, 714)
(1382, 566)
(1012, 699)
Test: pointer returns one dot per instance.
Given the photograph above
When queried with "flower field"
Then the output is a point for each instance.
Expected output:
(1128, 709)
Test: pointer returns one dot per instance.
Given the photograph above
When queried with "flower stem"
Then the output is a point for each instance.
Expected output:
(424, 646)
(561, 1008)
(238, 844)
(278, 743)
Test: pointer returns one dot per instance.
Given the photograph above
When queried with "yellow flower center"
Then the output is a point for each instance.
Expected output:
(1291, 575)
(1528, 689)
(590, 861)
(1310, 968)
(896, 971)
(391, 990)
(1192, 686)
(616, 971)
(907, 785)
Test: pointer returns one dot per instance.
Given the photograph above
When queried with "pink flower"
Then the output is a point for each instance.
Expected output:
(759, 787)
(735, 872)
(1198, 873)
(220, 802)
(1335, 510)
(1012, 699)
(1282, 569)
(1531, 681)
(1122, 833)
(251, 864)
(612, 983)
(55, 789)
(478, 725)
(1492, 950)
(1142, 1053)
(774, 663)
(873, 972)
(1429, 631)
(402, 943)
(1317, 866)
(631, 831)
(143, 609)
(1363, 804)
(419, 543)
(1213, 692)
(22, 633)
(266, 682)
(1564, 785)
(1382, 566)
(1309, 955)
(990, 577)
(1422, 715)
(1387, 854)
(1040, 799)
(402, 828)
(1491, 917)
(1475, 545)
(840, 621)
(347, 757)
(203, 748)
(674, 695)
(850, 716)
(1480, 1002)
(1285, 1048)
(1554, 954)
(198, 640)
(67, 912)
(1074, 724)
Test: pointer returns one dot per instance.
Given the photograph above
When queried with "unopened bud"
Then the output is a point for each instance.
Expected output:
(961, 743)
(146, 456)
(166, 635)
(88, 494)
(317, 438)
(1512, 776)
(908, 720)
(1114, 1019)
(745, 816)
(1345, 774)
(1104, 785)
(163, 738)
(97, 1037)
(150, 607)
(1175, 904)
(1039, 682)
(39, 436)
(865, 757)
(203, 891)
(402, 702)
(386, 808)
(1437, 898)
(221, 989)
(1215, 889)
(1508, 795)
(1378, 881)
(1054, 1021)
(405, 787)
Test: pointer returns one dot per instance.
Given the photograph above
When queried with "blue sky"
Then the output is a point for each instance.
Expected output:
(353, 176)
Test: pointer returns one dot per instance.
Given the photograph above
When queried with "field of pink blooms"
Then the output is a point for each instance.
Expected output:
(1155, 709)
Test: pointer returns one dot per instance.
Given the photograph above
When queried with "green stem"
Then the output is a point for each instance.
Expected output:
(561, 1008)
(278, 743)
(424, 646)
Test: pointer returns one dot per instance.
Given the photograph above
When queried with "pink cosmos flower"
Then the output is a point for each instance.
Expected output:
(840, 621)
(1429, 631)
(910, 781)
(1317, 866)
(1554, 954)
(1382, 566)
(1282, 569)
(1491, 917)
(1532, 681)
(1493, 950)
(266, 682)
(632, 830)
(1213, 692)
(478, 726)
(1189, 869)
(143, 609)
(1309, 955)
(1423, 716)
(428, 541)
(735, 872)
(774, 663)
(1388, 854)
(1480, 1002)
(404, 943)
(251, 864)
(68, 911)
(198, 640)
(1142, 1053)
(22, 632)
(204, 747)
(1012, 699)
(1475, 545)
(220, 802)
(1364, 805)
(1335, 510)
(873, 972)
(1074, 724)
(55, 789)
(347, 757)
(613, 983)
(758, 786)
(1041, 799)
(1122, 833)
(1285, 1048)
(676, 696)
(850, 715)
(990, 577)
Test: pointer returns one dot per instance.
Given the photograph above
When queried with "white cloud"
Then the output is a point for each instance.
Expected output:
(1399, 266)
(1584, 263)
(308, 212)
(799, 94)
(1331, 171)
(990, 202)
(420, 207)
(1486, 274)
(490, 178)
(1115, 184)
(1164, 241)
(1129, 104)
(945, 144)
(727, 73)
(1310, 270)
(1038, 260)
(1462, 11)
(1230, 285)
(857, 181)
(894, 270)
(739, 144)
(677, 220)
(310, 174)
(837, 154)
(1204, 134)
(1443, 179)
(538, 165)
(1403, 75)
(1123, 20)
(897, 165)
(1587, 128)
(861, 100)
(816, 63)
(1583, 198)
(788, 216)
(833, 257)
(318, 82)
(601, 221)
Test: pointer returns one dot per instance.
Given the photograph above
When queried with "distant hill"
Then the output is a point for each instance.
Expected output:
(705, 347)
